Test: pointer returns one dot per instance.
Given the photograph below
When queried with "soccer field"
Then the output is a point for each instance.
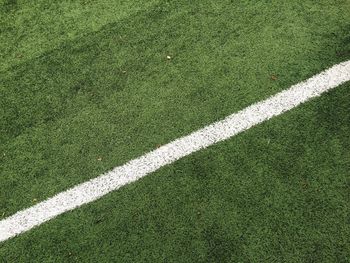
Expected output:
(87, 86)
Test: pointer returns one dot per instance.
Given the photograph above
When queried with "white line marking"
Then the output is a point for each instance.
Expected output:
(232, 125)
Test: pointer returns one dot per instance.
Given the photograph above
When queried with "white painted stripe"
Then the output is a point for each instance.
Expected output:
(91, 190)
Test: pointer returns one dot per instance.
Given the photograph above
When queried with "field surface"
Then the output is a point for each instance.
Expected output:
(86, 86)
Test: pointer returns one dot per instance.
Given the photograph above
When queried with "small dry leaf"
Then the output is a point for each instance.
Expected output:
(34, 200)
(158, 145)
(124, 71)
(99, 159)
(273, 77)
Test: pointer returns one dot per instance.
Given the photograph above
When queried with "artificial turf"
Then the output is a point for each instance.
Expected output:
(276, 193)
(86, 86)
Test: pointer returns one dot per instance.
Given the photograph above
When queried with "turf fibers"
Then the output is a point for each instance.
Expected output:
(87, 85)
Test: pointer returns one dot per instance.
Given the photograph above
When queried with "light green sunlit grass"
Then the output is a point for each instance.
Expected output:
(30, 28)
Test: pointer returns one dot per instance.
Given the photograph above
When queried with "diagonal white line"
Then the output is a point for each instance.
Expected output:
(232, 125)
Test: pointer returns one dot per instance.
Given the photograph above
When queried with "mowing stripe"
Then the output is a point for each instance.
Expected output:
(135, 169)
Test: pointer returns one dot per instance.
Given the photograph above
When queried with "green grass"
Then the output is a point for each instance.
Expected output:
(277, 193)
(30, 28)
(86, 86)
